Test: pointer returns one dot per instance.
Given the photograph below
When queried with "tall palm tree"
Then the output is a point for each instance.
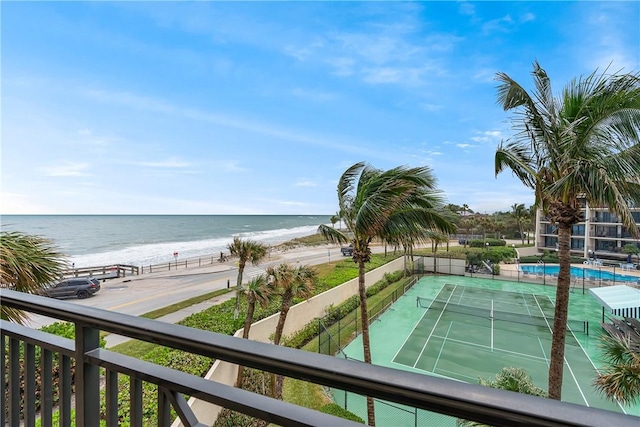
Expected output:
(27, 264)
(519, 213)
(377, 203)
(466, 224)
(580, 145)
(291, 283)
(620, 380)
(246, 251)
(258, 290)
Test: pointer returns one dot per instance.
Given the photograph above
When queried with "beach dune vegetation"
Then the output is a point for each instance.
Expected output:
(579, 146)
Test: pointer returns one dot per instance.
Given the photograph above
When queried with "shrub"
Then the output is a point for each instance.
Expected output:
(478, 243)
(338, 411)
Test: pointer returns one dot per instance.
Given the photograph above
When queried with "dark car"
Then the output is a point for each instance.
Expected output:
(81, 287)
(347, 251)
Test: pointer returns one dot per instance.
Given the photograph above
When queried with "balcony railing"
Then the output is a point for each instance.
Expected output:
(469, 401)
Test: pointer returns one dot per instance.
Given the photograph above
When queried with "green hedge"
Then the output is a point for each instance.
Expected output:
(338, 411)
(479, 243)
(333, 314)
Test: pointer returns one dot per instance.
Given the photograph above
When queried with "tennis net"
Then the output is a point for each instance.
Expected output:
(497, 315)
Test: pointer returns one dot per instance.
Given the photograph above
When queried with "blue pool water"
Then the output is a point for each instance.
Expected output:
(577, 273)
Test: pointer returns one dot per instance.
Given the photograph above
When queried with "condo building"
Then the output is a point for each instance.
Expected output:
(600, 235)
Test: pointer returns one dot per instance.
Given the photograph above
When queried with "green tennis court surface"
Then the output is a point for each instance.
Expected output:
(466, 331)
(466, 328)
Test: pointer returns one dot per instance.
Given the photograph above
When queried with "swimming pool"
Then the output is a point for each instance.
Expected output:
(578, 273)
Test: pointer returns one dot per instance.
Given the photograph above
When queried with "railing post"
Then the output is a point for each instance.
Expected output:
(14, 382)
(87, 378)
(3, 373)
(65, 390)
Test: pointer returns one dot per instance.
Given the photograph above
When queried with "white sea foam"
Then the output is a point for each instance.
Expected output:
(157, 253)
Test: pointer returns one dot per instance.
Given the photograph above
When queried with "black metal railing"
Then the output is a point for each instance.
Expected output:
(469, 401)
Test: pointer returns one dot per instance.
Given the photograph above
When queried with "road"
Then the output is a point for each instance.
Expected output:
(141, 294)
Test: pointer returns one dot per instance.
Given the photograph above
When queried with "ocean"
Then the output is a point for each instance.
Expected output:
(140, 240)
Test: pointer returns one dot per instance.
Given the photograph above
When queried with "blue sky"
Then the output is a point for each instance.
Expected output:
(258, 107)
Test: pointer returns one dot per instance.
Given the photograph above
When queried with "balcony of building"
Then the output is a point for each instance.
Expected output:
(97, 368)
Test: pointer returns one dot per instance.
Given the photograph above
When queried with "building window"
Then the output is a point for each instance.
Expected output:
(578, 230)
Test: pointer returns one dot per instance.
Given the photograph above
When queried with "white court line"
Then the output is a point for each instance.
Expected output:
(434, 327)
(525, 303)
(461, 295)
(442, 346)
(472, 344)
(564, 358)
(418, 322)
(456, 373)
(543, 352)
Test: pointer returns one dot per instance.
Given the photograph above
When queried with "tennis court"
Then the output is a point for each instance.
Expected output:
(466, 328)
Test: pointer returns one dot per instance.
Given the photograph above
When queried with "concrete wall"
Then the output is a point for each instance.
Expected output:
(299, 316)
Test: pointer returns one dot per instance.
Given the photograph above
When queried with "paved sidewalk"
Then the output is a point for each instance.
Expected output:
(176, 316)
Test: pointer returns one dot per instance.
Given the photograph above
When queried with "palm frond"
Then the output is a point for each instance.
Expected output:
(333, 235)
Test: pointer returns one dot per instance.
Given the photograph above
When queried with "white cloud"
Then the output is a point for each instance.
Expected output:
(16, 204)
(67, 169)
(431, 107)
(502, 25)
(87, 137)
(485, 75)
(306, 183)
(313, 95)
(342, 66)
(490, 136)
(467, 8)
(172, 163)
(464, 146)
(527, 17)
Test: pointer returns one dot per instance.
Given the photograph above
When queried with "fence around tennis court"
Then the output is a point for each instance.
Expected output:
(334, 334)
(339, 328)
(603, 276)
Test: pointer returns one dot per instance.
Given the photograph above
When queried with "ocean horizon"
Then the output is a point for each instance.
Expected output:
(140, 240)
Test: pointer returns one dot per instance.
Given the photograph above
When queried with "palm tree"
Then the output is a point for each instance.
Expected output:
(510, 379)
(621, 379)
(334, 219)
(258, 290)
(519, 213)
(246, 251)
(467, 224)
(581, 145)
(27, 264)
(375, 203)
(291, 283)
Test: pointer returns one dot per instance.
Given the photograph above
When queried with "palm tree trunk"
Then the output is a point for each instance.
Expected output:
(277, 380)
(556, 365)
(366, 345)
(245, 334)
(236, 311)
